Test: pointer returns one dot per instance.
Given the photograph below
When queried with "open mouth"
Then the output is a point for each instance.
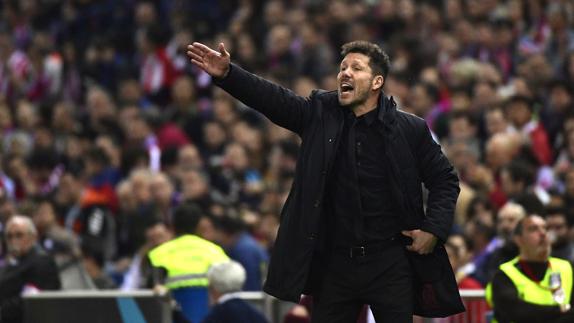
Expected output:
(346, 87)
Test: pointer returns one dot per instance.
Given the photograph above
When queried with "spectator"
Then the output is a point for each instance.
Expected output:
(181, 264)
(521, 290)
(243, 248)
(225, 280)
(501, 248)
(559, 229)
(27, 269)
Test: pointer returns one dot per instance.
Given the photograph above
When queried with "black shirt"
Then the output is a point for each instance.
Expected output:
(362, 211)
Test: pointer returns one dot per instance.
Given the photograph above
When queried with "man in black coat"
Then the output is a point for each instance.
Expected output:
(27, 268)
(356, 195)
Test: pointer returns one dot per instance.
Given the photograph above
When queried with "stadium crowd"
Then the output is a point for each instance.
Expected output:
(106, 127)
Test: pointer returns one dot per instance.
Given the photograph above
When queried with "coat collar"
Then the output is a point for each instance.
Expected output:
(387, 110)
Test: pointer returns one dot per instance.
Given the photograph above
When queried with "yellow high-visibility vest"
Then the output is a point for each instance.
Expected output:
(187, 259)
(531, 291)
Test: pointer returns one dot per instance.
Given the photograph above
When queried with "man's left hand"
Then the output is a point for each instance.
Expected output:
(423, 242)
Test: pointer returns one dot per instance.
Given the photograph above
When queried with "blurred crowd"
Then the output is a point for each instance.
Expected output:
(106, 127)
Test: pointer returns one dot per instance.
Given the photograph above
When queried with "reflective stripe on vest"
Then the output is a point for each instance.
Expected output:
(533, 292)
(187, 259)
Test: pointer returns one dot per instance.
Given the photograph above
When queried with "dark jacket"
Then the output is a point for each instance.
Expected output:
(35, 269)
(234, 311)
(412, 157)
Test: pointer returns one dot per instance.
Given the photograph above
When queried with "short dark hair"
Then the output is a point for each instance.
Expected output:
(520, 99)
(186, 218)
(519, 228)
(378, 60)
(521, 171)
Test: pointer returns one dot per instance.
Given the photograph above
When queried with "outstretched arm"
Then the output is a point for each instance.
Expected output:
(280, 105)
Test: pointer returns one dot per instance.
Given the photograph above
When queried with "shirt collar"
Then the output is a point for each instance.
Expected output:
(370, 116)
(227, 297)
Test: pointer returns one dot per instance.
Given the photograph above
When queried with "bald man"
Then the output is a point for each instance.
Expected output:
(27, 268)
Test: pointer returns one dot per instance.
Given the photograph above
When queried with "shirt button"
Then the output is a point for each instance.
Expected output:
(311, 236)
(330, 139)
(358, 163)
(358, 143)
(317, 203)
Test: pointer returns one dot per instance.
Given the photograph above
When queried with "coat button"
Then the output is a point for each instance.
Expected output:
(317, 203)
(311, 236)
(323, 172)
(330, 140)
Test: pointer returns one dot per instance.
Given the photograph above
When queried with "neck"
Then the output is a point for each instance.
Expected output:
(369, 105)
(534, 258)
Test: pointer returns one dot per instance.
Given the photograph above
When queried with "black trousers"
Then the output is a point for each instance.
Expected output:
(382, 280)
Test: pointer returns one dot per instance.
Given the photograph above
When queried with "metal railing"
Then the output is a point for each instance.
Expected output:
(58, 303)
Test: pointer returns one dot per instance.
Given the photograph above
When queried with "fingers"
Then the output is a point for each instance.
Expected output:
(407, 233)
(200, 48)
(222, 50)
(194, 56)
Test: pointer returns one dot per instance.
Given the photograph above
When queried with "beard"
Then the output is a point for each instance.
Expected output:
(357, 98)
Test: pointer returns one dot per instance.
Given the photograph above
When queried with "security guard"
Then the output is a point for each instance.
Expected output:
(532, 287)
(184, 261)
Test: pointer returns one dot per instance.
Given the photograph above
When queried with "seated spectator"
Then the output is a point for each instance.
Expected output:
(225, 280)
(27, 268)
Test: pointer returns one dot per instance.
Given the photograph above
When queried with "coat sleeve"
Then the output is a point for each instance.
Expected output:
(280, 105)
(440, 178)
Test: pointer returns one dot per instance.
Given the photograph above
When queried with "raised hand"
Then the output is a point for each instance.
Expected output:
(215, 63)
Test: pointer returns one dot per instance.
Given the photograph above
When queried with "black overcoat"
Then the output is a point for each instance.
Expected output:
(413, 158)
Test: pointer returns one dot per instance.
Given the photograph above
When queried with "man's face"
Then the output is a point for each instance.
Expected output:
(533, 242)
(506, 222)
(355, 80)
(558, 228)
(19, 239)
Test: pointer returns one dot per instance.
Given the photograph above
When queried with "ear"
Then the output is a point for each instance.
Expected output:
(377, 83)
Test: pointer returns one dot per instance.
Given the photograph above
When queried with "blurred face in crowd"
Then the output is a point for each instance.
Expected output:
(126, 196)
(533, 242)
(495, 121)
(161, 188)
(557, 229)
(356, 82)
(236, 157)
(189, 157)
(44, 217)
(507, 219)
(560, 99)
(420, 100)
(157, 235)
(183, 92)
(20, 236)
(461, 128)
(509, 186)
(214, 135)
(193, 185)
(457, 251)
(518, 113)
(141, 186)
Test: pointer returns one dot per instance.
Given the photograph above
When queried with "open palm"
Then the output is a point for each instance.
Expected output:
(215, 63)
